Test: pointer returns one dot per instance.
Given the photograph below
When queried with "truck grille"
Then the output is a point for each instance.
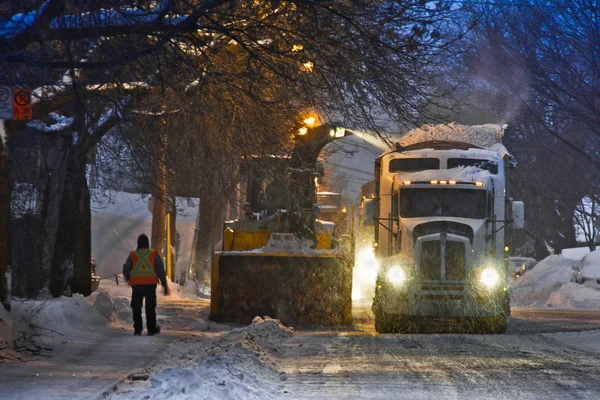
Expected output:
(431, 261)
(430, 266)
(456, 262)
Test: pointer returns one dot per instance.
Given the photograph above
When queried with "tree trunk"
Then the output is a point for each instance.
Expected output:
(82, 272)
(201, 250)
(5, 223)
(159, 209)
(57, 160)
(71, 260)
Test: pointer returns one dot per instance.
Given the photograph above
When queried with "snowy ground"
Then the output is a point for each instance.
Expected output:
(198, 359)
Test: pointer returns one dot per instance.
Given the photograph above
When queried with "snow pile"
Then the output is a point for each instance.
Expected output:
(534, 288)
(30, 321)
(6, 330)
(268, 333)
(548, 284)
(61, 314)
(238, 366)
(575, 253)
(573, 295)
(591, 265)
(485, 136)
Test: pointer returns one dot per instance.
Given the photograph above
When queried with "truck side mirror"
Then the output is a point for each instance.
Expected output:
(518, 214)
(369, 206)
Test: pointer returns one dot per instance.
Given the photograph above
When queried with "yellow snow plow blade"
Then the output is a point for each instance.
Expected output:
(297, 286)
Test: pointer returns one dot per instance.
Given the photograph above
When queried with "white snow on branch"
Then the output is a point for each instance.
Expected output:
(19, 23)
(62, 122)
(119, 17)
(125, 85)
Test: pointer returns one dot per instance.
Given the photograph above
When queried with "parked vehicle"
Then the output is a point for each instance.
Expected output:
(519, 265)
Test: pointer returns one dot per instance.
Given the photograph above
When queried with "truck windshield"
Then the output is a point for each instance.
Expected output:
(462, 203)
(413, 164)
(487, 165)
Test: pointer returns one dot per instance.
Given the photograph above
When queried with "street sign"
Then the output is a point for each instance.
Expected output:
(22, 104)
(6, 101)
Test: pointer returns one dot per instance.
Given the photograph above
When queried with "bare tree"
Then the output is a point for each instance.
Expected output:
(534, 65)
(349, 60)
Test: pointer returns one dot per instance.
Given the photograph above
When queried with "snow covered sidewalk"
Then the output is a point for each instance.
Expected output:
(87, 344)
(81, 365)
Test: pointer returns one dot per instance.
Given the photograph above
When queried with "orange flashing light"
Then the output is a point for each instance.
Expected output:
(406, 183)
(434, 182)
(478, 183)
(443, 182)
(452, 182)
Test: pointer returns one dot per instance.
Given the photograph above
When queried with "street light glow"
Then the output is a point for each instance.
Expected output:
(310, 121)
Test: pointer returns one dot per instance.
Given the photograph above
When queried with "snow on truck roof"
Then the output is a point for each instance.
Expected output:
(478, 140)
(484, 136)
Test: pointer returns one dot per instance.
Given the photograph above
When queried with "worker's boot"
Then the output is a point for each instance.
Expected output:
(154, 331)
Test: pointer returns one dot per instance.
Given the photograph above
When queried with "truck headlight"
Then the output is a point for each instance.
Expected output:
(396, 275)
(489, 277)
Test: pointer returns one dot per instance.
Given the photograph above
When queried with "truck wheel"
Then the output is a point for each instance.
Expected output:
(497, 323)
(384, 323)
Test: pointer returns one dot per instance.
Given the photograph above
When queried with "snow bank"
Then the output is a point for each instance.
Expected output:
(548, 284)
(6, 330)
(63, 314)
(575, 253)
(573, 295)
(591, 265)
(486, 136)
(237, 366)
(534, 288)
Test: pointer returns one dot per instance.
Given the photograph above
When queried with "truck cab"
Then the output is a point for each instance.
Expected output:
(440, 212)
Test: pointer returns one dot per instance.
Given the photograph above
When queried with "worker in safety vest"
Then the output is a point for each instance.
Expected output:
(143, 270)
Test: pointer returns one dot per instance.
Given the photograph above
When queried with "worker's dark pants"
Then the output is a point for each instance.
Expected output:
(137, 298)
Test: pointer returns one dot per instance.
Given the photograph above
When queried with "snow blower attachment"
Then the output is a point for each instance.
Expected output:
(280, 260)
(284, 280)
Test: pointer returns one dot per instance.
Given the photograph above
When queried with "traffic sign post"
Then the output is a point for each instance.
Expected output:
(6, 102)
(22, 104)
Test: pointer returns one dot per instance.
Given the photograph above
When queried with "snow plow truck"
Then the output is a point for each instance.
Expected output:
(280, 260)
(441, 210)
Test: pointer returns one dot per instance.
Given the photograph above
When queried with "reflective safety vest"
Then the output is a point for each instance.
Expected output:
(142, 270)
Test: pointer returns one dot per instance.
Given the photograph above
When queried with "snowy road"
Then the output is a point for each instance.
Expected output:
(547, 354)
(531, 361)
